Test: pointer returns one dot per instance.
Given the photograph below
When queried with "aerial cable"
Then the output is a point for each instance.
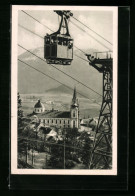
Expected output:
(46, 27)
(56, 67)
(81, 58)
(30, 31)
(68, 146)
(54, 79)
(43, 38)
(91, 36)
(51, 143)
(92, 30)
(61, 70)
(37, 20)
(72, 23)
(79, 49)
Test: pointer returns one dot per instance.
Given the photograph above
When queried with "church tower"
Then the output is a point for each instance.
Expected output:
(74, 111)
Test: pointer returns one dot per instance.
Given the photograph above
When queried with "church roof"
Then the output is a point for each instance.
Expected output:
(74, 94)
(39, 105)
(53, 114)
(74, 99)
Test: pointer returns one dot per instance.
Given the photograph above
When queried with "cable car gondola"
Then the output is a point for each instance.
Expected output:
(58, 47)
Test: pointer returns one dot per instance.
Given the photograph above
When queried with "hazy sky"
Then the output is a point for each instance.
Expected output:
(99, 21)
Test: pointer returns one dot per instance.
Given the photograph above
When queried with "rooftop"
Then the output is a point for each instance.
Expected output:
(53, 114)
(38, 104)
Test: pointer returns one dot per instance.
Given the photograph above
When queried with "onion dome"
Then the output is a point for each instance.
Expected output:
(39, 107)
(38, 104)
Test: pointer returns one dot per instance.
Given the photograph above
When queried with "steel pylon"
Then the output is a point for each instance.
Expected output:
(101, 153)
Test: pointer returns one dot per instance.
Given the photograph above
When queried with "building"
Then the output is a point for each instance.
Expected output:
(60, 119)
(88, 125)
(39, 107)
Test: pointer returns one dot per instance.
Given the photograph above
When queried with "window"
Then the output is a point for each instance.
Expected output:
(52, 121)
(74, 123)
(47, 40)
(56, 121)
(64, 121)
(53, 39)
(68, 121)
(60, 121)
(70, 44)
(65, 42)
(60, 40)
(48, 121)
(73, 113)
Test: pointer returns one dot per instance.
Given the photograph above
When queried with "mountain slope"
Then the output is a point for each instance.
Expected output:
(31, 81)
(60, 90)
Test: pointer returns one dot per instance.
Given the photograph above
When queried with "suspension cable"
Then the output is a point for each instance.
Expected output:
(55, 79)
(92, 30)
(91, 36)
(60, 70)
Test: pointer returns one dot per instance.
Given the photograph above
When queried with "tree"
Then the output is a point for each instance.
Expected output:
(71, 134)
(85, 155)
(57, 158)
(20, 111)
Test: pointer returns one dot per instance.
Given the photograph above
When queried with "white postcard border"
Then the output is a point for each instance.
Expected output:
(14, 56)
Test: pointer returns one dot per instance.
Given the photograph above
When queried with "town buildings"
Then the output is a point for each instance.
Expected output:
(56, 118)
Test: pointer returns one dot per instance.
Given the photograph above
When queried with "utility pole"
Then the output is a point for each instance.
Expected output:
(64, 153)
(101, 154)
(36, 139)
(64, 148)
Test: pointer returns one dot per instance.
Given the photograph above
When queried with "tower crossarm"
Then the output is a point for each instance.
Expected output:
(100, 64)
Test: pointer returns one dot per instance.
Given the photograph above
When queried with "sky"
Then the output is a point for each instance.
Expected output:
(99, 21)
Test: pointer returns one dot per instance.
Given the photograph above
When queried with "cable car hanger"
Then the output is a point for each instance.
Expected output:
(65, 15)
(58, 47)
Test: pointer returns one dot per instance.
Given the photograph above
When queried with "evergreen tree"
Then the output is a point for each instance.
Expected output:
(86, 149)
(57, 158)
(20, 111)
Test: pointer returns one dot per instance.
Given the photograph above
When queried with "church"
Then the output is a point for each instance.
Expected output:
(56, 118)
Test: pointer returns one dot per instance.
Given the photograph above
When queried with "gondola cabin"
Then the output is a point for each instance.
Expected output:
(58, 48)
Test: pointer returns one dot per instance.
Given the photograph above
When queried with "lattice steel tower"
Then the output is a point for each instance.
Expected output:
(101, 154)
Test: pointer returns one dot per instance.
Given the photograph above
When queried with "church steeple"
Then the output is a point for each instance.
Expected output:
(74, 94)
(74, 111)
(74, 99)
